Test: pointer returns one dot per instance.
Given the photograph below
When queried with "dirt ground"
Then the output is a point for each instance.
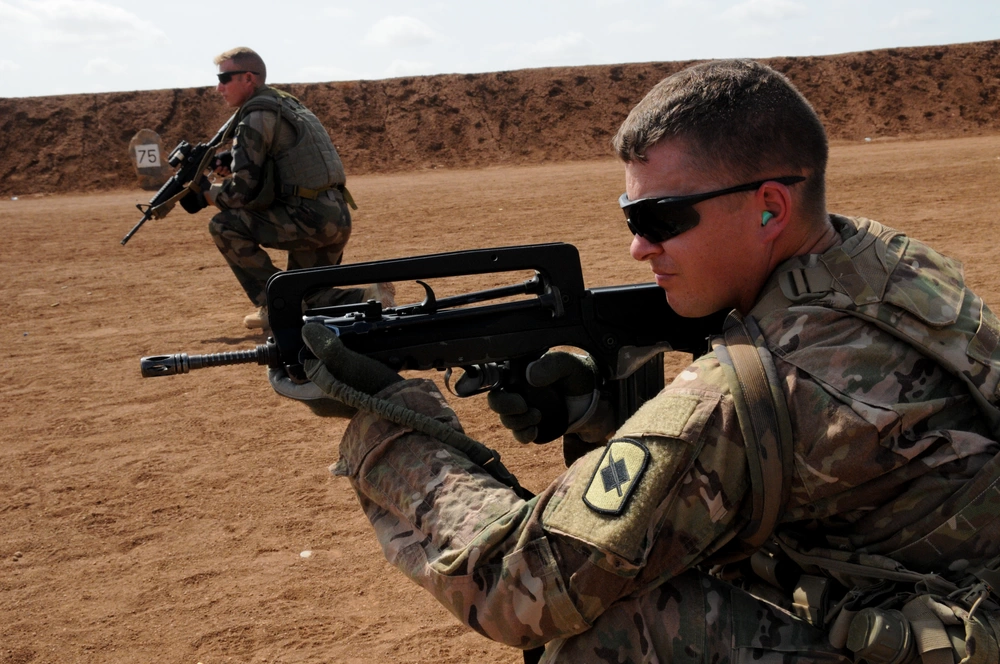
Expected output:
(166, 519)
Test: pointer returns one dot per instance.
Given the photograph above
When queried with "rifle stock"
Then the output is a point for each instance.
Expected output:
(626, 329)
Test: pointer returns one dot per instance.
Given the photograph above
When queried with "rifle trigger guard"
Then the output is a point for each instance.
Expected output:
(478, 378)
(447, 381)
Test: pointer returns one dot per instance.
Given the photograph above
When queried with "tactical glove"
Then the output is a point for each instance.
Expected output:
(222, 164)
(333, 362)
(195, 199)
(574, 380)
(310, 394)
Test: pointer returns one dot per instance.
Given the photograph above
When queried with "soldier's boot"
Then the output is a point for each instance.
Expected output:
(384, 292)
(257, 320)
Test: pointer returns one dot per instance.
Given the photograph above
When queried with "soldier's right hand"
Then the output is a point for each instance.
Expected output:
(222, 163)
(560, 395)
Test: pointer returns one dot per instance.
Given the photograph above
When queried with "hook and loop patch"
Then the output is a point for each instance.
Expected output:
(618, 473)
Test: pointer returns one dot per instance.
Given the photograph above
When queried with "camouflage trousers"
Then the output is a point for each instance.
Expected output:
(314, 233)
(697, 619)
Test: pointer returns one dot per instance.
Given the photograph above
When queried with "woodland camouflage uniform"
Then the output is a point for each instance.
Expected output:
(314, 231)
(610, 563)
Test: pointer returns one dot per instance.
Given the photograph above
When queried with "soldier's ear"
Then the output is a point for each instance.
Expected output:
(774, 202)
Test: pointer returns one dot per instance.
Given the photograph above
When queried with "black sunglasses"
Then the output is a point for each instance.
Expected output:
(659, 219)
(226, 76)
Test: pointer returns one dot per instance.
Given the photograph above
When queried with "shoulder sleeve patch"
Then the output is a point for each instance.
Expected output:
(617, 474)
(613, 500)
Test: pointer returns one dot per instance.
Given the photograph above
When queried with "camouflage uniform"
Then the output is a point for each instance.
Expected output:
(605, 564)
(313, 232)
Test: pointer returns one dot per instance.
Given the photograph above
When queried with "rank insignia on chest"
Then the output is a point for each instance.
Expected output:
(617, 476)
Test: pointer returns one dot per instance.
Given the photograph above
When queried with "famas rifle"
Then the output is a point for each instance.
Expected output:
(185, 185)
(626, 329)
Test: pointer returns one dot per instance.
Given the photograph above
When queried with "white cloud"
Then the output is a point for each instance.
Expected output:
(169, 74)
(629, 6)
(911, 16)
(565, 49)
(103, 66)
(557, 45)
(407, 68)
(754, 10)
(630, 27)
(339, 12)
(10, 15)
(400, 31)
(8, 65)
(321, 73)
(76, 22)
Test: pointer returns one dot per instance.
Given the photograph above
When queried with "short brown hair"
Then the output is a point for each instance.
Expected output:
(740, 117)
(244, 58)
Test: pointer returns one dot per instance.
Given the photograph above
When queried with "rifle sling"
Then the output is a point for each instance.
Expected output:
(486, 458)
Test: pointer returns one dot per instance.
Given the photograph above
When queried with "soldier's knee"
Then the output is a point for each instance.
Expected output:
(216, 225)
(227, 222)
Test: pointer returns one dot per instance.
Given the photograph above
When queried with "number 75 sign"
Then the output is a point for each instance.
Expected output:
(147, 156)
(146, 153)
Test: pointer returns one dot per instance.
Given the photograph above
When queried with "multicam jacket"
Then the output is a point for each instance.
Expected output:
(882, 435)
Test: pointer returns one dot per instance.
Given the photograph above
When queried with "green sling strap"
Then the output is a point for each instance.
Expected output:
(764, 422)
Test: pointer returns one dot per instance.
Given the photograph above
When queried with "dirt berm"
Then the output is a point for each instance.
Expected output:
(80, 142)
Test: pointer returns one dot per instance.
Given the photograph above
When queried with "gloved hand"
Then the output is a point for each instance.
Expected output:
(222, 164)
(319, 402)
(334, 361)
(195, 199)
(573, 378)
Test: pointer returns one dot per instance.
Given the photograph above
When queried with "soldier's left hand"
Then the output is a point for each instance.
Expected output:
(333, 362)
(309, 393)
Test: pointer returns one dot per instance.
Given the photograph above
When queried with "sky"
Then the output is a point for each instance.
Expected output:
(50, 47)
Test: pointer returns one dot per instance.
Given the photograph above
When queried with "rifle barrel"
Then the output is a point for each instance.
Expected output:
(182, 363)
(128, 236)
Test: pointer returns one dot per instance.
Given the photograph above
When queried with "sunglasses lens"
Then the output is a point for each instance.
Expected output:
(658, 222)
(225, 78)
(633, 230)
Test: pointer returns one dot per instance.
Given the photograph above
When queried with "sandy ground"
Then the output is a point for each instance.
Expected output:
(164, 519)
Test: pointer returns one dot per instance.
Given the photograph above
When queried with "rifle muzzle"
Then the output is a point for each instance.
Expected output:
(182, 363)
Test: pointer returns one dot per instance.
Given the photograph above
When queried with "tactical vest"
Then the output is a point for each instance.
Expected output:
(919, 296)
(311, 165)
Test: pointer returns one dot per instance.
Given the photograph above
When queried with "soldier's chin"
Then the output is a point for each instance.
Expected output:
(688, 307)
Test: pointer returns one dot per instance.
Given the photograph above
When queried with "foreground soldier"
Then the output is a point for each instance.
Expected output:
(833, 455)
(286, 191)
